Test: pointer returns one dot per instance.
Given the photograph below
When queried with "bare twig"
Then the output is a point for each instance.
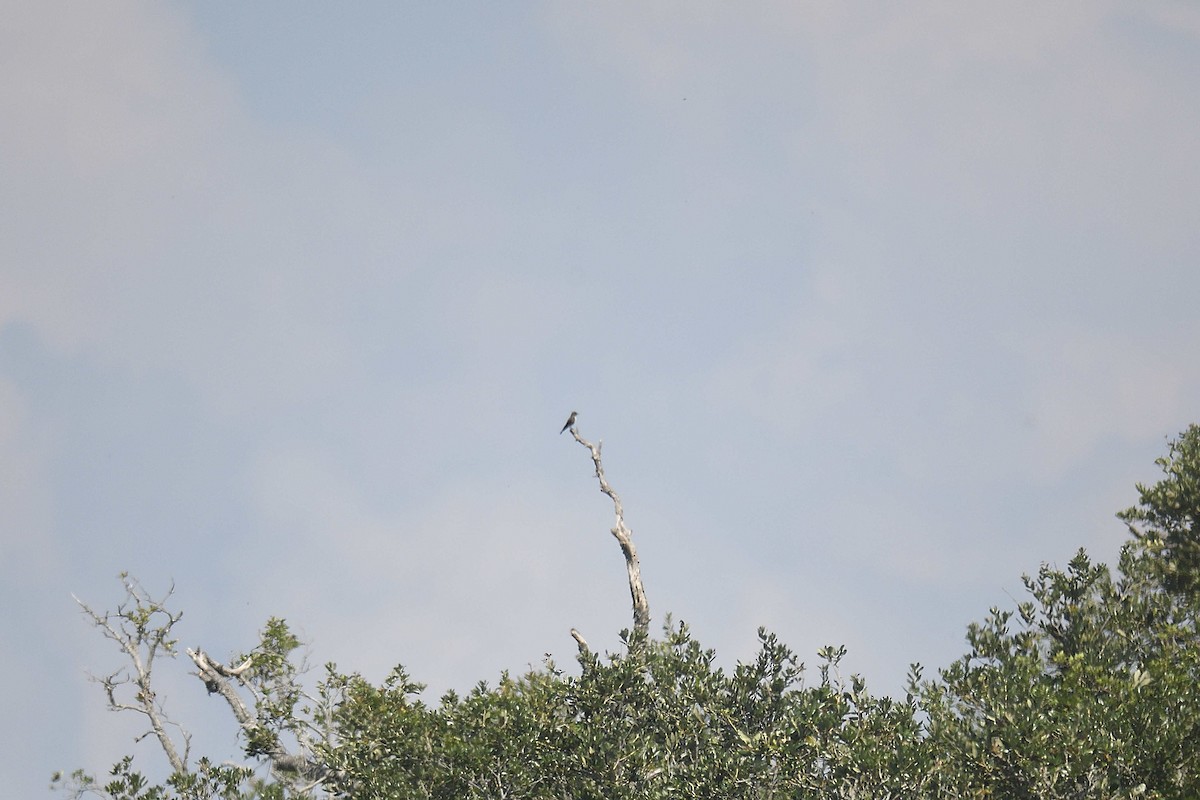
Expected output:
(641, 607)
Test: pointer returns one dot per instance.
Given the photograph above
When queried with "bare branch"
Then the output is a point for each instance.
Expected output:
(238, 670)
(213, 674)
(141, 627)
(623, 535)
(584, 650)
(216, 677)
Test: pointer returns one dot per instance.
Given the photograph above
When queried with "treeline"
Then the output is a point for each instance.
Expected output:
(1086, 689)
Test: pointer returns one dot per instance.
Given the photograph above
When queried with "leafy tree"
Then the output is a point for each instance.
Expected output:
(1080, 698)
(1085, 689)
(661, 722)
(1171, 511)
(1089, 689)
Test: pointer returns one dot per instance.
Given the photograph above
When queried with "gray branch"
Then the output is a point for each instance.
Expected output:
(624, 536)
(141, 631)
(216, 677)
(584, 650)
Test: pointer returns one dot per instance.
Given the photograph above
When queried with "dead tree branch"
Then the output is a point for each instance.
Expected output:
(584, 650)
(217, 677)
(624, 536)
(141, 627)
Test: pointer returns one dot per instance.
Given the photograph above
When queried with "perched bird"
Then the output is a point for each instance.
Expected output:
(570, 422)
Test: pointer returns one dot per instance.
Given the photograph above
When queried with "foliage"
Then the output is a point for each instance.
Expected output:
(663, 722)
(1090, 690)
(1089, 694)
(274, 679)
(1171, 510)
(1084, 690)
(206, 781)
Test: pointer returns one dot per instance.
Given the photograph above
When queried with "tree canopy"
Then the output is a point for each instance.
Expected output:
(1085, 689)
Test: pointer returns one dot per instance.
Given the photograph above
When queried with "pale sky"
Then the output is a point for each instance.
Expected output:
(875, 307)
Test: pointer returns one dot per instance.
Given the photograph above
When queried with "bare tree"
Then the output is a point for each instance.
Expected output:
(141, 626)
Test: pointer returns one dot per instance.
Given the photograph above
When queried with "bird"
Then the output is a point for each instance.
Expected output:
(570, 422)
